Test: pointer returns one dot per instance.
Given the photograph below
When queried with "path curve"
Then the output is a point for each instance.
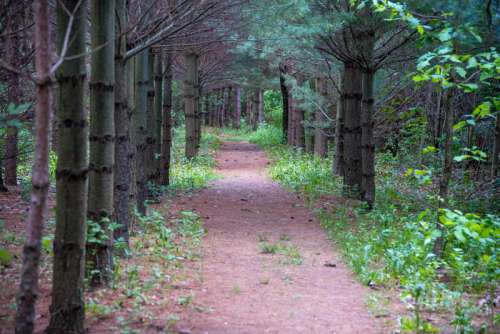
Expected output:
(245, 291)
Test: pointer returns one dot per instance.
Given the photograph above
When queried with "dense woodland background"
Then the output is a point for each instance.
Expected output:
(390, 107)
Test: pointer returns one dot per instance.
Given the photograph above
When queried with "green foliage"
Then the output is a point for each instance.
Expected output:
(192, 174)
(266, 136)
(393, 243)
(303, 172)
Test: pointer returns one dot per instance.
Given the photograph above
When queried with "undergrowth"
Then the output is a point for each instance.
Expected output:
(392, 245)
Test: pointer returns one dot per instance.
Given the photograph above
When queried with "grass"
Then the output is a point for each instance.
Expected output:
(290, 254)
(191, 174)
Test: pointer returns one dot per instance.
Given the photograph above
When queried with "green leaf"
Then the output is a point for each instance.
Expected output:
(445, 34)
(482, 110)
(460, 71)
(460, 158)
(5, 257)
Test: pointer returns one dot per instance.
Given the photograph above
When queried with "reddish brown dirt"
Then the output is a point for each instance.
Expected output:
(246, 291)
(235, 288)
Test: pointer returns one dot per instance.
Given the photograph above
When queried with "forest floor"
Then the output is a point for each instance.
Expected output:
(263, 266)
(267, 264)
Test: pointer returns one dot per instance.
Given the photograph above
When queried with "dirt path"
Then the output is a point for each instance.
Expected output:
(246, 291)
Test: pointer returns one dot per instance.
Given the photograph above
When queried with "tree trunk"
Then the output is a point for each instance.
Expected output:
(102, 138)
(150, 127)
(448, 161)
(255, 110)
(198, 115)
(367, 144)
(284, 96)
(3, 188)
(320, 144)
(339, 160)
(191, 104)
(496, 150)
(158, 76)
(14, 58)
(122, 171)
(206, 109)
(219, 115)
(299, 119)
(67, 312)
(227, 107)
(260, 102)
(352, 131)
(237, 108)
(28, 289)
(167, 122)
(291, 120)
(140, 124)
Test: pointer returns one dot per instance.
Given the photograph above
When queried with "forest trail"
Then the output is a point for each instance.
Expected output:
(247, 291)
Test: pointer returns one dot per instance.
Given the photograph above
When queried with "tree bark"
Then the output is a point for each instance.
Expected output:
(158, 76)
(339, 160)
(352, 131)
(237, 108)
(367, 144)
(14, 58)
(191, 104)
(3, 188)
(291, 120)
(448, 161)
(102, 140)
(67, 312)
(167, 121)
(320, 144)
(299, 119)
(28, 289)
(496, 150)
(140, 124)
(150, 127)
(260, 103)
(284, 96)
(123, 115)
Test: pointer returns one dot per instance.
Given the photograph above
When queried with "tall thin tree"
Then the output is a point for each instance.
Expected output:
(28, 291)
(67, 311)
(102, 141)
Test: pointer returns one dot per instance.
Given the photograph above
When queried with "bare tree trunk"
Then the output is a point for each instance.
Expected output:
(249, 108)
(220, 98)
(448, 161)
(102, 139)
(28, 289)
(206, 109)
(260, 102)
(339, 160)
(291, 120)
(158, 82)
(150, 126)
(14, 58)
(67, 312)
(320, 144)
(166, 146)
(140, 124)
(367, 144)
(237, 108)
(284, 96)
(227, 107)
(255, 110)
(3, 188)
(496, 149)
(352, 131)
(123, 115)
(191, 103)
